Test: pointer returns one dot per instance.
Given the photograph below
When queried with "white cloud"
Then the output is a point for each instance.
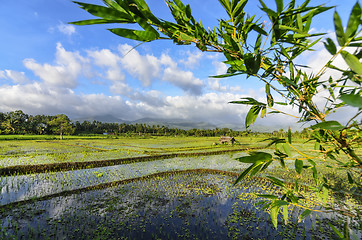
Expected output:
(145, 68)
(120, 88)
(16, 77)
(64, 73)
(192, 60)
(2, 74)
(183, 79)
(214, 84)
(111, 61)
(66, 29)
(220, 67)
(53, 94)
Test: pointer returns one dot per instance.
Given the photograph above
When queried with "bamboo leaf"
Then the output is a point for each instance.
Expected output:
(239, 7)
(249, 101)
(144, 36)
(341, 37)
(279, 4)
(285, 213)
(244, 173)
(98, 21)
(298, 166)
(289, 136)
(354, 100)
(274, 215)
(304, 214)
(330, 46)
(286, 148)
(336, 231)
(263, 112)
(328, 125)
(269, 97)
(105, 12)
(276, 181)
(252, 115)
(352, 62)
(255, 156)
(354, 21)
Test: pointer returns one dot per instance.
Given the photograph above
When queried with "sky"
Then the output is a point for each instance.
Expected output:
(48, 66)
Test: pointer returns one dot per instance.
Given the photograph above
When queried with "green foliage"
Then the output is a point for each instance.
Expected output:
(268, 52)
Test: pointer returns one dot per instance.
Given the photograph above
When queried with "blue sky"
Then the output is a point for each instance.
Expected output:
(50, 67)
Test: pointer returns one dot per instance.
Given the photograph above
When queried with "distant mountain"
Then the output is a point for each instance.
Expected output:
(102, 118)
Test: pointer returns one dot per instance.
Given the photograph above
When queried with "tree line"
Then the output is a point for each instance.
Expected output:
(18, 122)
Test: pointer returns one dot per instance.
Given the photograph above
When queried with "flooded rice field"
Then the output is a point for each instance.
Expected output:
(190, 195)
(189, 204)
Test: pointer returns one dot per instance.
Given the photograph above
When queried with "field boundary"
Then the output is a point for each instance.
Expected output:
(56, 167)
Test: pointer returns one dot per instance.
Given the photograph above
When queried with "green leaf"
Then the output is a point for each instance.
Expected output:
(225, 76)
(97, 21)
(282, 27)
(143, 36)
(279, 5)
(244, 173)
(281, 103)
(269, 97)
(252, 115)
(354, 100)
(276, 181)
(237, 64)
(255, 156)
(274, 216)
(249, 101)
(328, 125)
(252, 63)
(263, 112)
(282, 163)
(274, 210)
(183, 36)
(298, 166)
(286, 148)
(353, 21)
(285, 213)
(330, 46)
(259, 30)
(289, 136)
(341, 37)
(336, 231)
(239, 7)
(105, 12)
(352, 62)
(304, 214)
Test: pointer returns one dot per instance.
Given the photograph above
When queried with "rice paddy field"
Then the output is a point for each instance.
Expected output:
(149, 188)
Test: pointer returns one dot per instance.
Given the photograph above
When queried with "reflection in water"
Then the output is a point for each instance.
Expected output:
(174, 205)
(22, 187)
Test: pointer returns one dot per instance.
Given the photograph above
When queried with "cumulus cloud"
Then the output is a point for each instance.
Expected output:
(183, 79)
(16, 77)
(64, 73)
(55, 91)
(145, 68)
(66, 29)
(192, 60)
(111, 62)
